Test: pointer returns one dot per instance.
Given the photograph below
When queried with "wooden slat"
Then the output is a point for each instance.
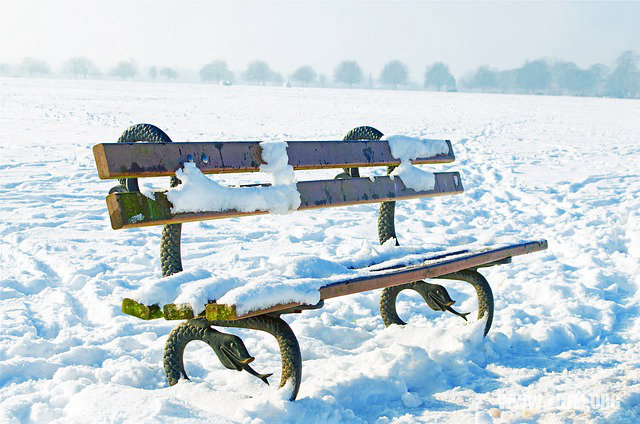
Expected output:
(429, 269)
(130, 210)
(118, 160)
(433, 266)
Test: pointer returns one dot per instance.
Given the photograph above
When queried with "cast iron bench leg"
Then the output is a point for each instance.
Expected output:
(437, 297)
(170, 258)
(230, 349)
(483, 291)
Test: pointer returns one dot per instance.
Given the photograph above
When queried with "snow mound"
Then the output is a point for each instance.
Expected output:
(409, 148)
(280, 280)
(197, 193)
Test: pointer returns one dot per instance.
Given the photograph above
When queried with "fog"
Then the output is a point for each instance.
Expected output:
(176, 40)
(287, 35)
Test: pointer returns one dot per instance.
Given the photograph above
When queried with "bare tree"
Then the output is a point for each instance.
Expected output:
(438, 75)
(483, 78)
(570, 79)
(624, 81)
(169, 73)
(394, 73)
(348, 72)
(534, 76)
(35, 66)
(507, 81)
(599, 73)
(125, 69)
(275, 77)
(153, 73)
(216, 71)
(79, 65)
(259, 72)
(304, 74)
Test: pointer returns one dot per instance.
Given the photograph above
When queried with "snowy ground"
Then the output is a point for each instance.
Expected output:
(564, 343)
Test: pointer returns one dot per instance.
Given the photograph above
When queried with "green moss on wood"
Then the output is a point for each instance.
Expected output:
(172, 311)
(138, 310)
(136, 207)
(215, 311)
(155, 312)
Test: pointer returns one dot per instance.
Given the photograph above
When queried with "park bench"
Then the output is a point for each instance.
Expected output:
(362, 147)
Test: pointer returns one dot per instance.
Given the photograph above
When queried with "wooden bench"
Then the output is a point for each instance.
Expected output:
(362, 147)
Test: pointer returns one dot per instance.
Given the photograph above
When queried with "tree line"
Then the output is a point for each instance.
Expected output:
(83, 67)
(533, 77)
(539, 76)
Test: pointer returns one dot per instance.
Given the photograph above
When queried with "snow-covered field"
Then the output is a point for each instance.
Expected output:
(565, 340)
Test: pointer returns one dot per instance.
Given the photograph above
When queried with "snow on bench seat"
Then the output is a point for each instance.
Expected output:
(310, 279)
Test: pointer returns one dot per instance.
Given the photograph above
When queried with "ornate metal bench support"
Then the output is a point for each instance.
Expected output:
(483, 291)
(231, 350)
(435, 295)
(438, 299)
(170, 258)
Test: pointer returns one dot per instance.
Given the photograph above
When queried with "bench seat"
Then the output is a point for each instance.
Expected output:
(412, 267)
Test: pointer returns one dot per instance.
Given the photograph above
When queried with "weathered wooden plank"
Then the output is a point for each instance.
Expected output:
(118, 160)
(130, 210)
(429, 269)
(433, 266)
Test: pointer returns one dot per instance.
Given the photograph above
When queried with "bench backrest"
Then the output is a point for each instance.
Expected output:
(119, 160)
(135, 160)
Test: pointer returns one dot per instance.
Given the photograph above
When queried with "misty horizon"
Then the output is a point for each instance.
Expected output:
(188, 35)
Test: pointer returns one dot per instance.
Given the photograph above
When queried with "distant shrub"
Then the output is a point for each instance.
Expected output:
(348, 72)
(394, 73)
(216, 71)
(438, 76)
(304, 74)
(125, 69)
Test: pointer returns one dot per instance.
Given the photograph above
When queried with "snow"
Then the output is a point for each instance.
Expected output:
(274, 154)
(197, 193)
(279, 280)
(414, 177)
(409, 148)
(565, 341)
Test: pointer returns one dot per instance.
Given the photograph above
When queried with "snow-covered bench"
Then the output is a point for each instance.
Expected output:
(193, 197)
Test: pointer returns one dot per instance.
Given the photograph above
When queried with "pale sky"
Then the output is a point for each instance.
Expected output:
(289, 34)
